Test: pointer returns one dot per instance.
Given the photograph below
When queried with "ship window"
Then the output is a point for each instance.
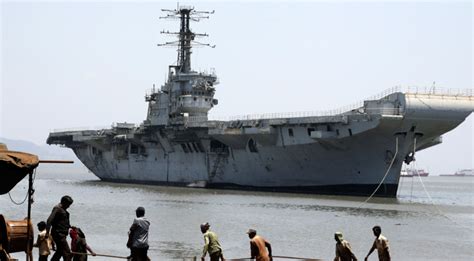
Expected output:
(133, 149)
(195, 98)
(206, 99)
(218, 147)
(290, 132)
(337, 132)
(200, 147)
(96, 151)
(310, 130)
(350, 132)
(185, 149)
(252, 146)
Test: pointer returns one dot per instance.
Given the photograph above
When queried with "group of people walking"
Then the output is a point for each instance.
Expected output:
(344, 250)
(53, 235)
(260, 249)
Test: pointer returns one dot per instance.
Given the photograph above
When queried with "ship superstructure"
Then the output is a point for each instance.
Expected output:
(357, 151)
(187, 93)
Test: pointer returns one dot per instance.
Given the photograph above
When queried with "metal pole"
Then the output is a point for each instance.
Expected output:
(30, 193)
(56, 161)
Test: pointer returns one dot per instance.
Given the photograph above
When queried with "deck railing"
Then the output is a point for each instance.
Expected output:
(301, 114)
(409, 90)
(95, 128)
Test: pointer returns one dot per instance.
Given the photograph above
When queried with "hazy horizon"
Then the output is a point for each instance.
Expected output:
(84, 64)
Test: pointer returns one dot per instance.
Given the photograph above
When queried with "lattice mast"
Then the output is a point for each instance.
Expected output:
(185, 35)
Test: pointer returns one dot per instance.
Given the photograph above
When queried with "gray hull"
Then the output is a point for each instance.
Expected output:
(352, 153)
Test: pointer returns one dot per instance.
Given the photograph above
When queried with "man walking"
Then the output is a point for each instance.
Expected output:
(343, 249)
(211, 244)
(381, 244)
(138, 236)
(259, 246)
(58, 223)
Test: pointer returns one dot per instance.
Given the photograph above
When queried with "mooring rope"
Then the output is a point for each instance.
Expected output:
(282, 257)
(385, 176)
(298, 258)
(412, 181)
(429, 196)
(102, 255)
(196, 258)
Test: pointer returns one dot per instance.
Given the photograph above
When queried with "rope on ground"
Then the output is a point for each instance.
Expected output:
(280, 257)
(102, 255)
(196, 258)
(385, 176)
(248, 258)
(298, 258)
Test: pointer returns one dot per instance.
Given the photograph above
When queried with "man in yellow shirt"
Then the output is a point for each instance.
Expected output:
(343, 249)
(211, 244)
(381, 244)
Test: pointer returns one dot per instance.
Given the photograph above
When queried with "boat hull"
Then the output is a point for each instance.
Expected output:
(346, 154)
(350, 166)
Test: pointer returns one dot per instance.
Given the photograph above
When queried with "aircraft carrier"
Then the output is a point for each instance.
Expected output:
(357, 151)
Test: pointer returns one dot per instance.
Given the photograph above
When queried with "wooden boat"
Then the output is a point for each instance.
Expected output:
(14, 166)
(17, 236)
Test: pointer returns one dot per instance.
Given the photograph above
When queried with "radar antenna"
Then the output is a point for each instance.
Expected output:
(185, 35)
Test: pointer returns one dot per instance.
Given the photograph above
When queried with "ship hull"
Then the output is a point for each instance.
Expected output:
(357, 154)
(356, 165)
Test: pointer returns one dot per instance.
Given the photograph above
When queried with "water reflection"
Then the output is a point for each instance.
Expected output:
(178, 197)
(175, 249)
(294, 223)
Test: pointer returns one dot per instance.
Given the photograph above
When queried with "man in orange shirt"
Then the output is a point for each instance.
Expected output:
(258, 247)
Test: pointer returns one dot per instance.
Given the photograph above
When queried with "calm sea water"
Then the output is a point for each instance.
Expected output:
(432, 224)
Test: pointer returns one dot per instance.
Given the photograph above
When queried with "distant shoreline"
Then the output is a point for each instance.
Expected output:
(454, 175)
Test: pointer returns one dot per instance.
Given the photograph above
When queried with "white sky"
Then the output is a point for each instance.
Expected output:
(86, 64)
